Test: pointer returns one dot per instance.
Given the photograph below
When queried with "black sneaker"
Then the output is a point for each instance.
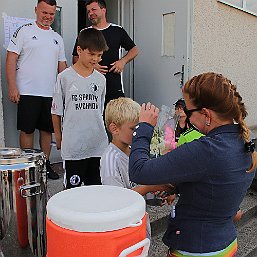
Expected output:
(50, 172)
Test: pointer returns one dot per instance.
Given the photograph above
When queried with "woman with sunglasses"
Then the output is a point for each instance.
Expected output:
(212, 173)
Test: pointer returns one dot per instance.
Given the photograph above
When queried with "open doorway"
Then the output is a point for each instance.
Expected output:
(112, 13)
(118, 12)
(82, 16)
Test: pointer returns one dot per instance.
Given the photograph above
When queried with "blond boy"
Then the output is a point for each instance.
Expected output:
(121, 117)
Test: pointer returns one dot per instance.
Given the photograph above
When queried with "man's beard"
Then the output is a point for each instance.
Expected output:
(95, 21)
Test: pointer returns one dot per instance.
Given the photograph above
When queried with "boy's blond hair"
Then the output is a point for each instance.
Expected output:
(121, 110)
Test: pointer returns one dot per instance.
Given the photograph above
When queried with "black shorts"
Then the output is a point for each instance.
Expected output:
(34, 112)
(86, 171)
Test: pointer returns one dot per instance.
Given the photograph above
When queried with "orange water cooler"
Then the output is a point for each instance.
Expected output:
(96, 221)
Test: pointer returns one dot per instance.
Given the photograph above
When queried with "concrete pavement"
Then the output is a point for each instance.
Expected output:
(247, 226)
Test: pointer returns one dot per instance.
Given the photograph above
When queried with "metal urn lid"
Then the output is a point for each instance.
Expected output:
(17, 155)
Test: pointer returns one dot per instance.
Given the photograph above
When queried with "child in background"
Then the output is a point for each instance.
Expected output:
(78, 100)
(183, 123)
(121, 117)
(188, 136)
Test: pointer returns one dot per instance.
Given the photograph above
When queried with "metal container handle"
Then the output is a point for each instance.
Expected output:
(24, 188)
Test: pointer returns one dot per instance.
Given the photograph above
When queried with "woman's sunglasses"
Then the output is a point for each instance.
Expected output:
(189, 112)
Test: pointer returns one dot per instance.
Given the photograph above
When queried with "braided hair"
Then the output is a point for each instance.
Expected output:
(215, 92)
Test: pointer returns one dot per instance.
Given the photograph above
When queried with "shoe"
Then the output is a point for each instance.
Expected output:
(50, 172)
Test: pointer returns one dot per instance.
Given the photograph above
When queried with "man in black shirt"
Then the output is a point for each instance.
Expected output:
(112, 63)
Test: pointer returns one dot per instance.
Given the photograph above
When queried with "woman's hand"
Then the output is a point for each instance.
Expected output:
(149, 113)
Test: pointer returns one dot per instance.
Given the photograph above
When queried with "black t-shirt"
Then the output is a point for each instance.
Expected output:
(116, 38)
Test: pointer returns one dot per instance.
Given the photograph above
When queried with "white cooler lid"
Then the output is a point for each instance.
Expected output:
(96, 208)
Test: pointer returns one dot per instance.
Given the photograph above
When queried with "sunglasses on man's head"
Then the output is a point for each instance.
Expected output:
(189, 112)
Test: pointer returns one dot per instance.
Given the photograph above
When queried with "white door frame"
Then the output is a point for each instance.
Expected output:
(125, 8)
(190, 14)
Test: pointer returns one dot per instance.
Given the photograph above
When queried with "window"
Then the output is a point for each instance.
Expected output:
(168, 34)
(249, 6)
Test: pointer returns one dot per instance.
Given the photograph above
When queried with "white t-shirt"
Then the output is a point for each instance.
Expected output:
(114, 167)
(39, 53)
(80, 101)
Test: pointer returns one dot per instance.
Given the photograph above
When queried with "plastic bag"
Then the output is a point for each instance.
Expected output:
(163, 139)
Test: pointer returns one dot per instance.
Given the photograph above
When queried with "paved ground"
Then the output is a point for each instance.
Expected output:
(9, 244)
(247, 235)
(11, 248)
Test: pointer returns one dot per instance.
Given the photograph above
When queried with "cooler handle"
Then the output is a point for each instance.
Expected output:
(28, 187)
(139, 223)
(144, 243)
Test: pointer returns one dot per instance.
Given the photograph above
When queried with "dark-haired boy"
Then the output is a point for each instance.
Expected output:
(112, 63)
(79, 100)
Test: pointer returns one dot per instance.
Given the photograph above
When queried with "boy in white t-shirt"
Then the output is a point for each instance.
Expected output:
(78, 100)
(121, 117)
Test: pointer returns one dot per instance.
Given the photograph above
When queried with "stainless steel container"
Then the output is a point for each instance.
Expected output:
(22, 201)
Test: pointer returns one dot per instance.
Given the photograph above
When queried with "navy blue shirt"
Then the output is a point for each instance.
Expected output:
(211, 176)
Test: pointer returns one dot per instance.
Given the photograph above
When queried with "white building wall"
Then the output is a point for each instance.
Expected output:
(69, 33)
(224, 41)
